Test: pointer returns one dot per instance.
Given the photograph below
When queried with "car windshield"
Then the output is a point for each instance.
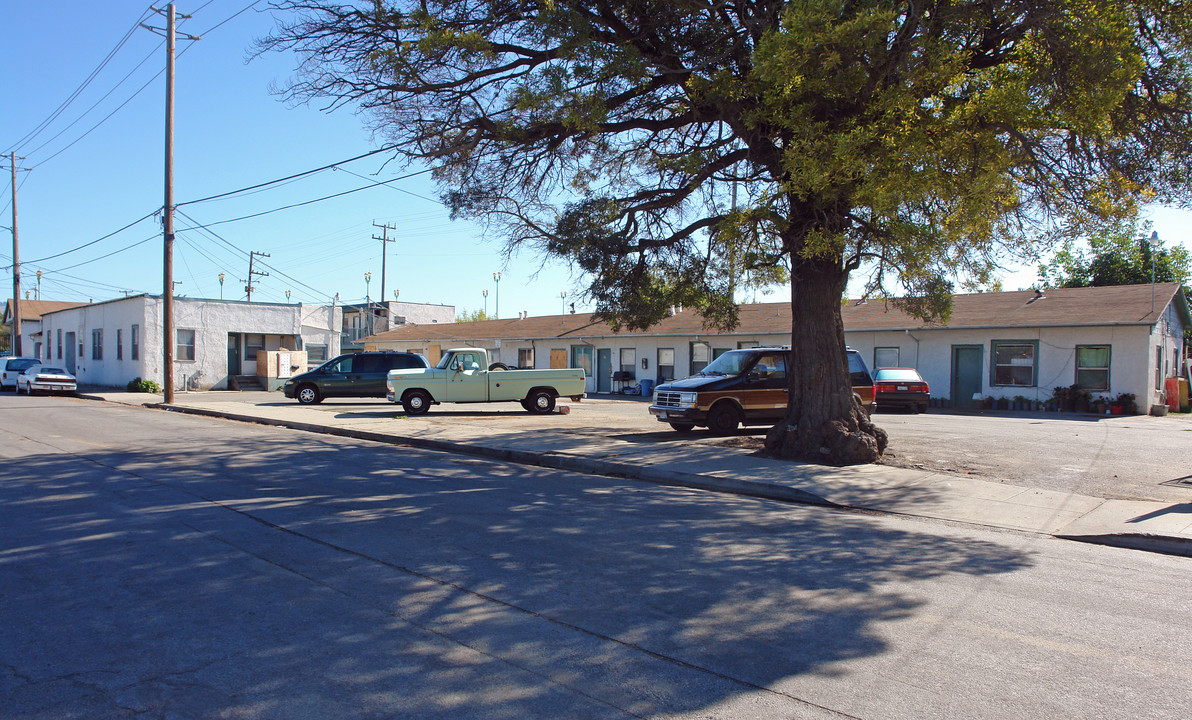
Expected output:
(897, 375)
(51, 371)
(732, 362)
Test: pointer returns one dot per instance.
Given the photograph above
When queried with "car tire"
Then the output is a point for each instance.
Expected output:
(923, 409)
(683, 427)
(308, 395)
(498, 366)
(540, 402)
(416, 402)
(724, 419)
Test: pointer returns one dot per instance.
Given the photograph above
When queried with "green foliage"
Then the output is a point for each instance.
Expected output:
(138, 385)
(473, 316)
(1124, 254)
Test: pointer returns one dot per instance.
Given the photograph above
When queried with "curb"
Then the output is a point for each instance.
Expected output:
(1147, 542)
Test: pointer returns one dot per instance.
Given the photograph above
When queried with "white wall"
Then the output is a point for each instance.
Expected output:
(282, 325)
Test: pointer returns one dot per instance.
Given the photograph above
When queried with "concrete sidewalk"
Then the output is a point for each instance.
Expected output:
(589, 440)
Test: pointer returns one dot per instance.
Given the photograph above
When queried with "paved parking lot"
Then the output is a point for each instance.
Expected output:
(1136, 457)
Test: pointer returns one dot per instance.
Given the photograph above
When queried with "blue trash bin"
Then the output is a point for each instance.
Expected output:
(647, 388)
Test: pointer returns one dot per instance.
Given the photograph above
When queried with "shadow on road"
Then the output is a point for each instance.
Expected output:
(269, 575)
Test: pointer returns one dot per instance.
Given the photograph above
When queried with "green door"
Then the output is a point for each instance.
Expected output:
(604, 370)
(966, 376)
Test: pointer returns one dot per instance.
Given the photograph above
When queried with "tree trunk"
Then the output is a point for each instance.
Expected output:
(824, 422)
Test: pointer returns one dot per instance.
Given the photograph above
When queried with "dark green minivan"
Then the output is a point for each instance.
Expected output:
(354, 375)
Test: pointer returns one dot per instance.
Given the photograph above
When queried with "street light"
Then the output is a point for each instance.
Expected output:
(368, 301)
(396, 293)
(497, 294)
(485, 294)
(563, 297)
(221, 279)
(287, 295)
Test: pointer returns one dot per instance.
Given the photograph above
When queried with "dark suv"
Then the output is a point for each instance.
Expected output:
(741, 387)
(354, 375)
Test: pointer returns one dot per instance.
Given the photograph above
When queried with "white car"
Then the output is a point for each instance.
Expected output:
(11, 367)
(43, 378)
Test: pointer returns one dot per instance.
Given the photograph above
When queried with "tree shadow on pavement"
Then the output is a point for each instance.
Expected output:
(285, 574)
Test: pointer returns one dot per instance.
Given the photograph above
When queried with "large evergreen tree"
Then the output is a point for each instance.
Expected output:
(915, 140)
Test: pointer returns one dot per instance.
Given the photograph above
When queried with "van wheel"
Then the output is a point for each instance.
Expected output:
(683, 427)
(724, 419)
(416, 402)
(308, 395)
(540, 402)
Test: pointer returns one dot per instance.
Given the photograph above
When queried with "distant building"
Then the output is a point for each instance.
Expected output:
(31, 312)
(110, 343)
(362, 320)
(1109, 340)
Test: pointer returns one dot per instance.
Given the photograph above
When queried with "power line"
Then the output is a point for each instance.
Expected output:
(295, 176)
(89, 244)
(66, 103)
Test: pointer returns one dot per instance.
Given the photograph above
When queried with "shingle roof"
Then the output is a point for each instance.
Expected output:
(34, 309)
(1119, 305)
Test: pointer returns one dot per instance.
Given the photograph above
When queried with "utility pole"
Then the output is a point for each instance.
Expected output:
(16, 267)
(168, 210)
(385, 240)
(248, 283)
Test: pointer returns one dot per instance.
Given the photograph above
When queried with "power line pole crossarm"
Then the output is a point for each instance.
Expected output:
(248, 283)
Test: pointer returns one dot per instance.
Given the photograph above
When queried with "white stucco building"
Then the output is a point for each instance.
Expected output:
(1109, 340)
(110, 343)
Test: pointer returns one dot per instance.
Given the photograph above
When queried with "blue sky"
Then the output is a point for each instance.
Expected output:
(88, 179)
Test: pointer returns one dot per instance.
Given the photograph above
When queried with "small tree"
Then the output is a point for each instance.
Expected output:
(1127, 254)
(473, 316)
(918, 140)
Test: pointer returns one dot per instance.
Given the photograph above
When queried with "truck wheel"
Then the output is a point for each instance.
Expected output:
(540, 402)
(498, 366)
(308, 395)
(683, 427)
(724, 419)
(416, 402)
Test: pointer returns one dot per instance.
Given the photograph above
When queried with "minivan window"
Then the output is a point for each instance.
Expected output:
(340, 365)
(368, 364)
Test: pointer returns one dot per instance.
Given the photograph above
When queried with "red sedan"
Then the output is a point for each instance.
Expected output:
(900, 387)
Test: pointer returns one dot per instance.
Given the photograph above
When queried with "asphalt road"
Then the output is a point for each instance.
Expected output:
(1135, 457)
(172, 566)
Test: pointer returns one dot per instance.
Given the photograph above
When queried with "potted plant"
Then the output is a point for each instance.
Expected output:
(1021, 402)
(1126, 402)
(1100, 404)
(988, 402)
(1062, 399)
(1080, 399)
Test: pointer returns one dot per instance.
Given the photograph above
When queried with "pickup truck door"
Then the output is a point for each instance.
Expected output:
(467, 378)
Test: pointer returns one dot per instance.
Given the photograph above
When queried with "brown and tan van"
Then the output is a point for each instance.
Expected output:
(741, 387)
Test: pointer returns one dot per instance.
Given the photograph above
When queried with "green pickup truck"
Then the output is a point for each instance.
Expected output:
(464, 375)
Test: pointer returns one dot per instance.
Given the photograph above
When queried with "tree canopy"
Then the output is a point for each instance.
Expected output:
(675, 151)
(1128, 254)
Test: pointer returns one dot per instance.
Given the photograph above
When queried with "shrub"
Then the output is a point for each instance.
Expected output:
(143, 386)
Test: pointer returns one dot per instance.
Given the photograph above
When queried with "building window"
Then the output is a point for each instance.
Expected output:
(253, 343)
(1092, 367)
(316, 354)
(886, 357)
(582, 358)
(666, 364)
(134, 342)
(701, 355)
(1014, 363)
(629, 361)
(59, 344)
(119, 343)
(525, 357)
(97, 344)
(185, 347)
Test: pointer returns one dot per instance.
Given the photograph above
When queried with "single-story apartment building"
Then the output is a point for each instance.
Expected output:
(31, 312)
(110, 343)
(1109, 340)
